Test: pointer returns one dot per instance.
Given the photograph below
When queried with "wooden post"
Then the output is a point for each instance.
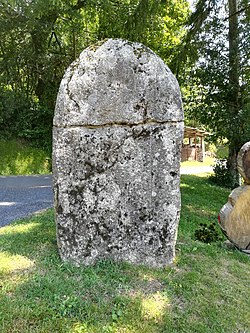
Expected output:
(203, 148)
(195, 147)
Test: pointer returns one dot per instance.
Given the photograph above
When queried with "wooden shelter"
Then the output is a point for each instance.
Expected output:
(193, 147)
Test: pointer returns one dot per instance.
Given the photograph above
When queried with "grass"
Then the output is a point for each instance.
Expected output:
(208, 161)
(18, 158)
(206, 290)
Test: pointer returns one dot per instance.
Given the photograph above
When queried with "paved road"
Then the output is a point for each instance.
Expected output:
(21, 196)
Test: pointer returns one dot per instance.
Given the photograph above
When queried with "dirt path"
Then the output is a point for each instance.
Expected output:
(195, 170)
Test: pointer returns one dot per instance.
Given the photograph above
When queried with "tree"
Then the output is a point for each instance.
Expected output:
(38, 40)
(234, 87)
(217, 85)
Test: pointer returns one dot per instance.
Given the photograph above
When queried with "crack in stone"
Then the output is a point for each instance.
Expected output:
(121, 124)
(69, 93)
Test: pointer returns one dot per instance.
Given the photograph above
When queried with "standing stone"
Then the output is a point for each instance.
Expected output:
(118, 129)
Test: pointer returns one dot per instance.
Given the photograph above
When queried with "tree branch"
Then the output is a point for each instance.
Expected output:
(237, 12)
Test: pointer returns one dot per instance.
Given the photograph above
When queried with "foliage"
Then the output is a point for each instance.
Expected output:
(222, 176)
(221, 151)
(216, 84)
(24, 118)
(207, 233)
(208, 87)
(39, 39)
(39, 293)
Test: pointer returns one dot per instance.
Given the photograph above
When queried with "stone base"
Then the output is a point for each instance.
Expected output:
(117, 192)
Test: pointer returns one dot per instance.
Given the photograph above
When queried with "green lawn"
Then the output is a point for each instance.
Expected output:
(208, 161)
(18, 158)
(206, 290)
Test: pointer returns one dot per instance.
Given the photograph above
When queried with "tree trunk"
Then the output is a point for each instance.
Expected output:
(234, 90)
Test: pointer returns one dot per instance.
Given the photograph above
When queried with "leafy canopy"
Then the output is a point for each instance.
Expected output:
(39, 39)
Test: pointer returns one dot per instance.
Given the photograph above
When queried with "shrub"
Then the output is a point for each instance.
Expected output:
(207, 233)
(222, 176)
(22, 117)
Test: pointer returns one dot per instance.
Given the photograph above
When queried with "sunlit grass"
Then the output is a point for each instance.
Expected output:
(154, 306)
(18, 228)
(18, 158)
(11, 263)
(208, 161)
(205, 291)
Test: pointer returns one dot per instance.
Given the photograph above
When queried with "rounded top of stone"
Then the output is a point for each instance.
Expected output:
(117, 82)
(243, 162)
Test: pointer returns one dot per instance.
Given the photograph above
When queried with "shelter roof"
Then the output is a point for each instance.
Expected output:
(191, 132)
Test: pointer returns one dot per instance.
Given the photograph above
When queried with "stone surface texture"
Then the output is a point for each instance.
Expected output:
(118, 130)
(234, 217)
(243, 162)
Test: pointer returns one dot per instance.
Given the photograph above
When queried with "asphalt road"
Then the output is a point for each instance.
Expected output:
(21, 196)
